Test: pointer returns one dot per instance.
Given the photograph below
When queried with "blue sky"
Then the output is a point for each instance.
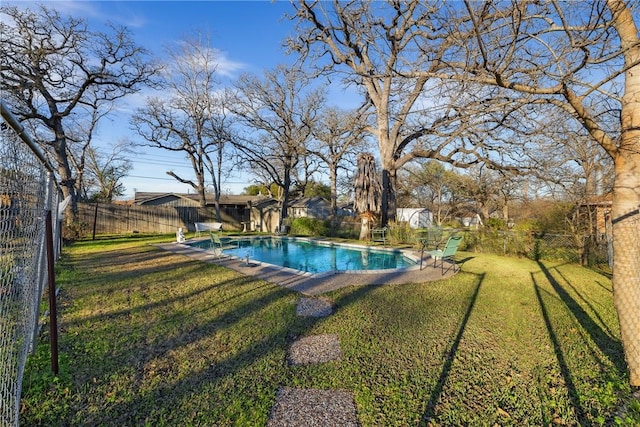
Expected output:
(248, 34)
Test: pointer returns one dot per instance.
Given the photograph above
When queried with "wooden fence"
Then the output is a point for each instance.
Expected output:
(102, 218)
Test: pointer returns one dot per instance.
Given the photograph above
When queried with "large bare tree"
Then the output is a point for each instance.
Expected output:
(374, 45)
(279, 112)
(57, 73)
(191, 118)
(339, 135)
(584, 59)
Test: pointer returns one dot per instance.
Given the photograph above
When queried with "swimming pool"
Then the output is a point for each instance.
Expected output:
(314, 257)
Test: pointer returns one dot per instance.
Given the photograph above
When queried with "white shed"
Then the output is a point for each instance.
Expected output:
(416, 217)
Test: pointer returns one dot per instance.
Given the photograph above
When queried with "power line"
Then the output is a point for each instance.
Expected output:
(171, 179)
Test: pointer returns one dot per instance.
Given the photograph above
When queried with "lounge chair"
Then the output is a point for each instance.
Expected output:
(448, 253)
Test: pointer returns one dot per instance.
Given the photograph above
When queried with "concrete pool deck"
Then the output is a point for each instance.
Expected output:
(316, 284)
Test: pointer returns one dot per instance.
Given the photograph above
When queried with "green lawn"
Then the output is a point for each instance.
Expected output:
(152, 338)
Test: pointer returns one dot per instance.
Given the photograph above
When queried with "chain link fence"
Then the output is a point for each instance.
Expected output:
(27, 194)
(627, 295)
(587, 250)
(593, 251)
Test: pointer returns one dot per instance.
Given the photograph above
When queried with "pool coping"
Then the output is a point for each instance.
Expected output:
(318, 283)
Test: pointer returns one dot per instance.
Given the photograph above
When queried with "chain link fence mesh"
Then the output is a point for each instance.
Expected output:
(627, 295)
(27, 192)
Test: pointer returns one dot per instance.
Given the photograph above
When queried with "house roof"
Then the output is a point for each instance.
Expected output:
(305, 202)
(141, 197)
(225, 199)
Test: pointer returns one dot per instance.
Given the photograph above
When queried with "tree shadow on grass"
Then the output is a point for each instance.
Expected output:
(604, 328)
(153, 396)
(565, 371)
(608, 345)
(121, 265)
(169, 300)
(430, 411)
(154, 363)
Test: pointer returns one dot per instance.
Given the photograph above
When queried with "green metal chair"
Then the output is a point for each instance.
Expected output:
(379, 235)
(217, 244)
(448, 253)
(430, 240)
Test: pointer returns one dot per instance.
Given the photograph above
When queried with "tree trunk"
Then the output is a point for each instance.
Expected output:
(365, 228)
(484, 211)
(217, 188)
(625, 209)
(67, 182)
(333, 182)
(388, 205)
(626, 255)
(284, 210)
(202, 194)
(505, 212)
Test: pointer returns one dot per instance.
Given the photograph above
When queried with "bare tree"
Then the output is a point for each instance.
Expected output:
(587, 169)
(279, 110)
(191, 119)
(308, 167)
(583, 59)
(508, 62)
(57, 73)
(105, 170)
(220, 131)
(339, 135)
(374, 45)
(367, 193)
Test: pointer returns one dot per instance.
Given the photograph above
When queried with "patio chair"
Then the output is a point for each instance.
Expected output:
(217, 244)
(431, 239)
(448, 253)
(379, 235)
(435, 237)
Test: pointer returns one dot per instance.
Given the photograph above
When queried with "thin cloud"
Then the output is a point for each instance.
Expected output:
(224, 66)
(209, 57)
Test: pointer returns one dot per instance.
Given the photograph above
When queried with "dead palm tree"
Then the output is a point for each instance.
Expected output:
(368, 193)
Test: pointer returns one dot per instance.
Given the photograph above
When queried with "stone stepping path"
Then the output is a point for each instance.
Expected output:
(312, 407)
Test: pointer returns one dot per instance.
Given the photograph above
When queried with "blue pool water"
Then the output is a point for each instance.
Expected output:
(312, 257)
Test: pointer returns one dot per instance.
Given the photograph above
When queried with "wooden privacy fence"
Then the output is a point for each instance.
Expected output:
(102, 218)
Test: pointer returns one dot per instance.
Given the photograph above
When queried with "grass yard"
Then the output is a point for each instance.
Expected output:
(152, 338)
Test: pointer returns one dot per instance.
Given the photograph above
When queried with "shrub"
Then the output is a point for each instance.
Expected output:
(400, 233)
(495, 223)
(75, 231)
(309, 227)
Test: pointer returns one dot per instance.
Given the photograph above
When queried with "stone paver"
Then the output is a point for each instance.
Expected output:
(314, 307)
(315, 349)
(313, 408)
